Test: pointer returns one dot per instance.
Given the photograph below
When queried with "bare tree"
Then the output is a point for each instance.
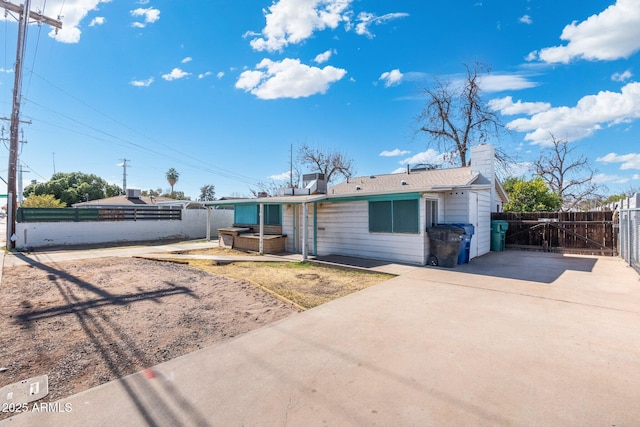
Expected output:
(456, 118)
(567, 175)
(329, 163)
(266, 189)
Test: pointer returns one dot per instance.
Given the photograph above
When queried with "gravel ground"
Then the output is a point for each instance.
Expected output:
(87, 322)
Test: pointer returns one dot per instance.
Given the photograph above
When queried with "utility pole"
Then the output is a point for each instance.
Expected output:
(24, 13)
(124, 175)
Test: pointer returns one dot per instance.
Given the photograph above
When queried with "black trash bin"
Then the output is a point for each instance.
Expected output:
(444, 245)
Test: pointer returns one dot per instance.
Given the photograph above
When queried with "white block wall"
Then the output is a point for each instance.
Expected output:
(193, 225)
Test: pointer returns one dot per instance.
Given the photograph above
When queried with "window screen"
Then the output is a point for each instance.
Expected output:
(394, 216)
(380, 217)
(272, 215)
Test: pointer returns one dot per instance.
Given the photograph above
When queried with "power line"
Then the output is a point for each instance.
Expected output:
(215, 169)
(25, 13)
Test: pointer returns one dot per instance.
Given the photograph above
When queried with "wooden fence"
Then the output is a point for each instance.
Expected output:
(593, 233)
(96, 214)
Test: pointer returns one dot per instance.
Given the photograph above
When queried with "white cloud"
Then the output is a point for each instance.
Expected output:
(284, 176)
(187, 59)
(149, 14)
(366, 20)
(6, 70)
(621, 77)
(581, 121)
(391, 78)
(526, 19)
(602, 178)
(293, 21)
(628, 161)
(612, 34)
(502, 82)
(137, 25)
(323, 57)
(175, 74)
(142, 83)
(287, 79)
(220, 74)
(98, 20)
(428, 157)
(205, 74)
(73, 12)
(518, 169)
(507, 107)
(394, 153)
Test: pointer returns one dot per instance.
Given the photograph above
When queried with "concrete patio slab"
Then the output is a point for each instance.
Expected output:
(510, 339)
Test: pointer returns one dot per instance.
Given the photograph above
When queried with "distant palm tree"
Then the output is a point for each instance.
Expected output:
(172, 176)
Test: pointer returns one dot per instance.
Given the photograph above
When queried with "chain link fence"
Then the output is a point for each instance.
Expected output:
(629, 236)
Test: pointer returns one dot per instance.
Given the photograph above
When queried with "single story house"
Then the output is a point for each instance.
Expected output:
(381, 217)
(135, 199)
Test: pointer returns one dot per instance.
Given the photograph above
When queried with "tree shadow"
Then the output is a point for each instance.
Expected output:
(114, 345)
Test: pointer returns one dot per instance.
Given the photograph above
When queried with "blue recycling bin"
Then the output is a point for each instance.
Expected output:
(465, 243)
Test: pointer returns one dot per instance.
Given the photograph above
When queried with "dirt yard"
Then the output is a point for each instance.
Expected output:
(88, 322)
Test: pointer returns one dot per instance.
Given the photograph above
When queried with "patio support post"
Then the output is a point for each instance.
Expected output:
(208, 223)
(261, 229)
(305, 230)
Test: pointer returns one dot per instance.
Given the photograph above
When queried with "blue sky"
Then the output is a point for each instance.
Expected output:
(220, 90)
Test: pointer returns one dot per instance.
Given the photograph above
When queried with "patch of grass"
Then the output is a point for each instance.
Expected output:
(305, 284)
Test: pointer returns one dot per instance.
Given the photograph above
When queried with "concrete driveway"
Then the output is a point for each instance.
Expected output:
(514, 338)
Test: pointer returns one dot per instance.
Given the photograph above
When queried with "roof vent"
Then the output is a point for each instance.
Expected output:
(372, 176)
(358, 188)
(403, 182)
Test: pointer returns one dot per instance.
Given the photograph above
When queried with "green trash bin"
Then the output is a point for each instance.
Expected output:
(498, 234)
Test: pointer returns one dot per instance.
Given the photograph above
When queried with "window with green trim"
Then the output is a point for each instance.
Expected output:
(250, 214)
(394, 216)
(272, 215)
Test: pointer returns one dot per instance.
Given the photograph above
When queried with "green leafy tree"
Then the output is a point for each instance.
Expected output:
(151, 192)
(172, 176)
(208, 193)
(74, 187)
(43, 201)
(530, 196)
(177, 195)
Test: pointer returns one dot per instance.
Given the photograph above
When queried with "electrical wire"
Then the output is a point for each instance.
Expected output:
(221, 171)
(31, 170)
(122, 142)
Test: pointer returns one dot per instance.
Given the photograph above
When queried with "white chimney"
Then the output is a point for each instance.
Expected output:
(483, 161)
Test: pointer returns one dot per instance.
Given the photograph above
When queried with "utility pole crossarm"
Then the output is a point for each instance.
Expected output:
(33, 15)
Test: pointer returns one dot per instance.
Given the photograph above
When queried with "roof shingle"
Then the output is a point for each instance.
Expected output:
(422, 180)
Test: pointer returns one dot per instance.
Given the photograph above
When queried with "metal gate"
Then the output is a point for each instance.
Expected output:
(630, 236)
(593, 233)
